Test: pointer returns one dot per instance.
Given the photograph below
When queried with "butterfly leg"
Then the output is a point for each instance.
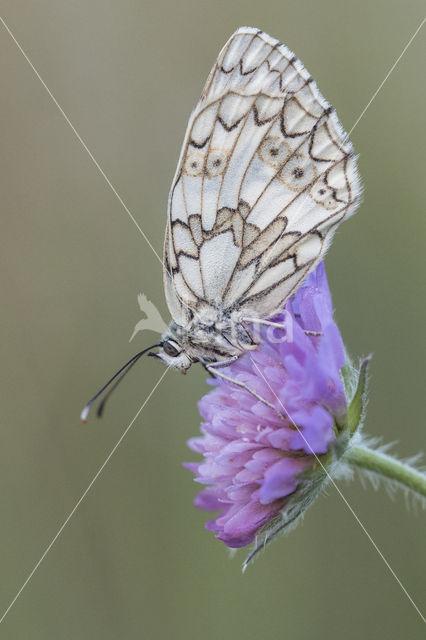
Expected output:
(277, 325)
(268, 323)
(309, 333)
(212, 368)
(254, 342)
(283, 326)
(221, 363)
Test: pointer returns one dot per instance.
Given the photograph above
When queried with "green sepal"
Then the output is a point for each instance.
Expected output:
(287, 520)
(357, 406)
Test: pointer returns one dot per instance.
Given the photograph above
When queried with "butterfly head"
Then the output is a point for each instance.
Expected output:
(173, 355)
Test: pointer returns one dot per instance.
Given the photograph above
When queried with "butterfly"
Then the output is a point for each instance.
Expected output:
(265, 176)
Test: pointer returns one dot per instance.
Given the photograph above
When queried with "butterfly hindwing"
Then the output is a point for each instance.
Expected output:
(266, 174)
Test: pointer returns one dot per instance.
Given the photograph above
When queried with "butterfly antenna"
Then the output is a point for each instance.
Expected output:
(120, 375)
(101, 405)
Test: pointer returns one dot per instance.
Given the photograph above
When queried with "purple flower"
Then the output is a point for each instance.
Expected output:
(257, 456)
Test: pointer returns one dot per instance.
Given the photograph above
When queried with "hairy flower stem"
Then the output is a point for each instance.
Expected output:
(387, 466)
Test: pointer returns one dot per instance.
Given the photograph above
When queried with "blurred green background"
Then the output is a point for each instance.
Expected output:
(135, 560)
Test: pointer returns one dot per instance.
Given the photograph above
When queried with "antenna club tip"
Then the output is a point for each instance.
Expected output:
(84, 414)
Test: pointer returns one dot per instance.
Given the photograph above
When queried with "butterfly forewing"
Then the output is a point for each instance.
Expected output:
(266, 174)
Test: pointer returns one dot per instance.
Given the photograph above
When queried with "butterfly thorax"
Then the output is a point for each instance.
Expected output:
(220, 340)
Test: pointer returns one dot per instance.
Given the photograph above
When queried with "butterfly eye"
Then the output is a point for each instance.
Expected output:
(298, 172)
(273, 151)
(215, 163)
(171, 350)
(194, 164)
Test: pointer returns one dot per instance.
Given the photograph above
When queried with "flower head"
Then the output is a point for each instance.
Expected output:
(257, 455)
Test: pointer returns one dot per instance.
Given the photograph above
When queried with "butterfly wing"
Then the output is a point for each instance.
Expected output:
(265, 176)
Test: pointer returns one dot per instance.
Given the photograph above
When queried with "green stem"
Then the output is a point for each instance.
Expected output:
(385, 465)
